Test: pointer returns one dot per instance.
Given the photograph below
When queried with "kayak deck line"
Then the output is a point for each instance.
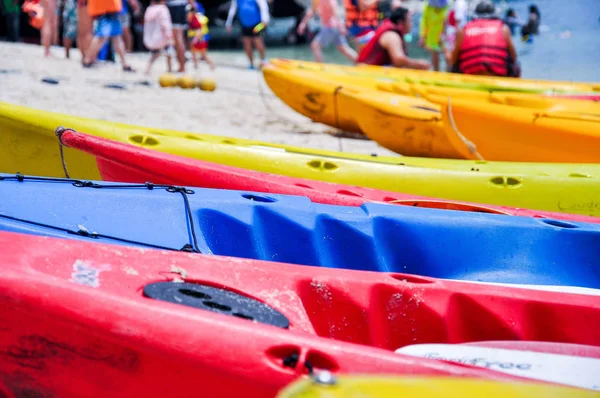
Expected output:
(192, 246)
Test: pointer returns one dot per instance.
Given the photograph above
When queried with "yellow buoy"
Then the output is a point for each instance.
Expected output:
(186, 82)
(167, 80)
(207, 84)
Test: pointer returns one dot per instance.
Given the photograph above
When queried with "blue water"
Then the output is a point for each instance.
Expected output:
(568, 47)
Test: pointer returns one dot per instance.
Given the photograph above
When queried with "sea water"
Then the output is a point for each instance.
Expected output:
(567, 48)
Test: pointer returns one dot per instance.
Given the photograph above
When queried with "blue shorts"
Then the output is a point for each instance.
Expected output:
(328, 36)
(361, 35)
(107, 25)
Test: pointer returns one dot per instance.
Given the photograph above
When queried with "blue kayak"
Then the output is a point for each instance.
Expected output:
(292, 229)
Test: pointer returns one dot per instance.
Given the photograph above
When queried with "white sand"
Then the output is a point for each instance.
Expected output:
(235, 109)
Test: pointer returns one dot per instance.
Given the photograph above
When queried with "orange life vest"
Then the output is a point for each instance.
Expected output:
(100, 7)
(362, 19)
(36, 13)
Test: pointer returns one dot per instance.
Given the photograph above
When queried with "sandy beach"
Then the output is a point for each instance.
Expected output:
(242, 106)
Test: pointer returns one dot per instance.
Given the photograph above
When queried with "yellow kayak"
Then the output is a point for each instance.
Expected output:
(315, 95)
(504, 132)
(523, 100)
(28, 145)
(395, 123)
(415, 127)
(426, 387)
(12, 116)
(476, 130)
(442, 78)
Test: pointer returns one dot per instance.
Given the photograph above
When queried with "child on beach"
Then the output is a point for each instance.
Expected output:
(158, 32)
(69, 22)
(433, 22)
(332, 30)
(198, 35)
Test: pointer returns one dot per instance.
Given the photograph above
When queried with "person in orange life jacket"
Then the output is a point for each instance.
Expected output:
(362, 19)
(388, 47)
(107, 25)
(484, 46)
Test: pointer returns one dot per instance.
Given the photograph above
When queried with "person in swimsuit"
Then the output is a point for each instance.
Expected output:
(254, 18)
(332, 30)
(533, 24)
(177, 9)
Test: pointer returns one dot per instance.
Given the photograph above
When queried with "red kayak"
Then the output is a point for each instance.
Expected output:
(588, 97)
(128, 163)
(86, 319)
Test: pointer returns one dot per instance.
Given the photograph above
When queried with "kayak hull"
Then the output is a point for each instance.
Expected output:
(477, 130)
(79, 322)
(292, 229)
(523, 135)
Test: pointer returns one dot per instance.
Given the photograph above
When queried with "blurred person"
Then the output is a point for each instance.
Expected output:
(362, 19)
(254, 18)
(125, 19)
(511, 19)
(431, 28)
(158, 33)
(456, 19)
(49, 31)
(198, 36)
(461, 9)
(449, 38)
(532, 25)
(106, 26)
(332, 30)
(12, 15)
(69, 23)
(388, 47)
(84, 26)
(177, 10)
(484, 46)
